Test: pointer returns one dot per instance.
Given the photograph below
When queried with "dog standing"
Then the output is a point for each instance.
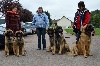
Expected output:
(19, 43)
(83, 46)
(9, 42)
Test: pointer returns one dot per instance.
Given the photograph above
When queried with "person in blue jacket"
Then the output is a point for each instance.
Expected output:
(41, 23)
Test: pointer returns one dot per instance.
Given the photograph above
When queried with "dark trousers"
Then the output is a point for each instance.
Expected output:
(2, 40)
(41, 32)
(78, 36)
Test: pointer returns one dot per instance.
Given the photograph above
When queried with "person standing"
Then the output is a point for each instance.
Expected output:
(41, 23)
(12, 20)
(81, 19)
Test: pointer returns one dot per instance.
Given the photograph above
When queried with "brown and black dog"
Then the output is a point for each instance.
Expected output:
(50, 32)
(19, 43)
(61, 42)
(9, 42)
(83, 46)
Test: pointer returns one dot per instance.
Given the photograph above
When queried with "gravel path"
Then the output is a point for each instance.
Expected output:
(42, 58)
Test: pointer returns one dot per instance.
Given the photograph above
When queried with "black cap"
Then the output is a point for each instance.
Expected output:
(81, 3)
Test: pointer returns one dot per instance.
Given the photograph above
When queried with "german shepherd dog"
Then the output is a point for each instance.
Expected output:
(61, 42)
(19, 43)
(9, 42)
(50, 32)
(83, 46)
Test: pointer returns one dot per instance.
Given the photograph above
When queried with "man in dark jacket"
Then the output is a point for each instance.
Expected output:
(81, 19)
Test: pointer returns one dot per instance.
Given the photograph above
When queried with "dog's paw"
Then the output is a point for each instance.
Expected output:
(23, 54)
(85, 56)
(75, 55)
(68, 50)
(89, 55)
(60, 53)
(17, 55)
(14, 55)
(6, 55)
(53, 53)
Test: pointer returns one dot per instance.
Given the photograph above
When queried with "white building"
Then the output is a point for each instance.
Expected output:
(64, 22)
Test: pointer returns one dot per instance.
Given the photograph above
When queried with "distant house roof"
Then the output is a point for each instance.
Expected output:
(66, 18)
(55, 21)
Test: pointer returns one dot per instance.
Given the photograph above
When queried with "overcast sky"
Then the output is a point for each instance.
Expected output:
(59, 8)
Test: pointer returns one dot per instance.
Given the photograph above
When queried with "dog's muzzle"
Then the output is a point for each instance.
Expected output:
(20, 35)
(51, 33)
(60, 32)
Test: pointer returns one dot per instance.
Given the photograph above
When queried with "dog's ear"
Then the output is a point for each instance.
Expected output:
(22, 33)
(6, 32)
(12, 31)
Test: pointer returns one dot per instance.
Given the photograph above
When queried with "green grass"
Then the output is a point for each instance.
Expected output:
(97, 31)
(70, 31)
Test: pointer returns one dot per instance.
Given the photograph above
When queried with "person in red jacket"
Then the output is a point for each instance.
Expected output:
(81, 19)
(12, 20)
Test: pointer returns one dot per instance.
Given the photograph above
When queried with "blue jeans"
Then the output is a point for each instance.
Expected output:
(78, 36)
(41, 32)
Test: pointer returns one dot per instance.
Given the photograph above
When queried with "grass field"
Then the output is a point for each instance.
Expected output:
(70, 31)
(97, 31)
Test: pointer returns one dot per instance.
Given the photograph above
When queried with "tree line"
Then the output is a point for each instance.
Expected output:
(95, 18)
(25, 14)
